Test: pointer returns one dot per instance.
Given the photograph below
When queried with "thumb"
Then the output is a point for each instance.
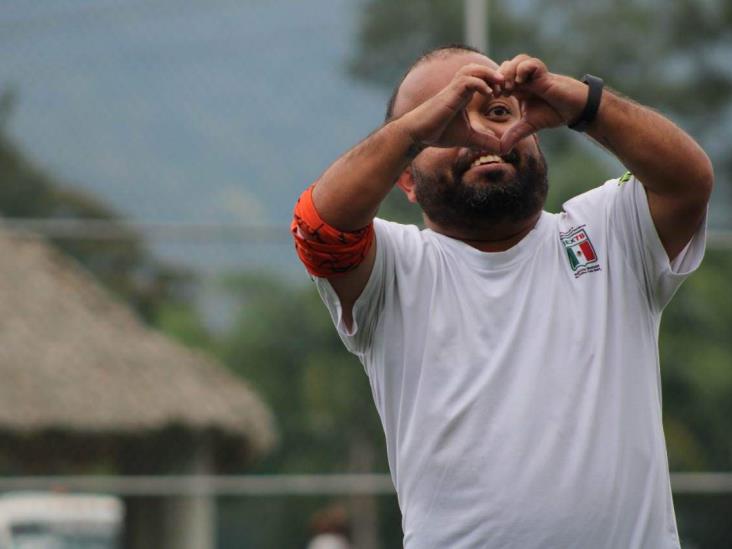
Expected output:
(514, 134)
(488, 141)
(482, 136)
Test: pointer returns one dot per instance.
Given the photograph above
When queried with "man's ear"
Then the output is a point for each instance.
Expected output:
(407, 184)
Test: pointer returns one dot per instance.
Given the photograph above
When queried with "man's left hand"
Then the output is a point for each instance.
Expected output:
(674, 170)
(547, 100)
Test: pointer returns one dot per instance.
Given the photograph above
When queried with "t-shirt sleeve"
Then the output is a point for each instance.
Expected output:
(369, 305)
(631, 226)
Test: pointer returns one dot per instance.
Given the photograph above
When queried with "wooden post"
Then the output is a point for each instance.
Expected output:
(175, 522)
(190, 521)
(363, 508)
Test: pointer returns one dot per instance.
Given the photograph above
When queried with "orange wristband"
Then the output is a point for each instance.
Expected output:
(324, 250)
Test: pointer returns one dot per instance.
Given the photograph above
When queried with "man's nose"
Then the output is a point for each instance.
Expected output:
(481, 122)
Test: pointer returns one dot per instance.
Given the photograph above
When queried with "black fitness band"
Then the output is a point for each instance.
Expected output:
(594, 94)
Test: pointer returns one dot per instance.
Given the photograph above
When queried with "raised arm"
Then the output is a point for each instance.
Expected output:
(348, 194)
(674, 170)
(350, 191)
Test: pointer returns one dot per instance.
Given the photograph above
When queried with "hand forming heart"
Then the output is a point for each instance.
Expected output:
(447, 119)
(546, 100)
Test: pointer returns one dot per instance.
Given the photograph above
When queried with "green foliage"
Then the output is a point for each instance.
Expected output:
(656, 51)
(391, 49)
(671, 55)
(284, 343)
(183, 322)
(573, 168)
(392, 35)
(696, 354)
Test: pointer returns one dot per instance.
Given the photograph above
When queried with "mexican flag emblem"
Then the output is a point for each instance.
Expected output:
(580, 252)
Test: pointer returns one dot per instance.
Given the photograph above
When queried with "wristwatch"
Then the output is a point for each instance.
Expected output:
(594, 94)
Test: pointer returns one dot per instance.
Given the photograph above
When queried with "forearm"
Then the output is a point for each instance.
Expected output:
(661, 155)
(349, 192)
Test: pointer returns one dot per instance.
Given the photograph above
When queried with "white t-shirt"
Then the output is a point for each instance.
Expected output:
(519, 391)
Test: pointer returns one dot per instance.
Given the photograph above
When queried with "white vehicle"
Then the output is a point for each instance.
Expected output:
(60, 521)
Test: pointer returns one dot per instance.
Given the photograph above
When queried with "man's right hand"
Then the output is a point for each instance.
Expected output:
(444, 120)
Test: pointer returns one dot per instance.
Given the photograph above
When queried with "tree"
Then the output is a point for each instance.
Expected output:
(665, 54)
(671, 55)
(124, 266)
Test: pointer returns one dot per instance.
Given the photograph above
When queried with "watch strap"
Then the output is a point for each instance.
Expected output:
(592, 106)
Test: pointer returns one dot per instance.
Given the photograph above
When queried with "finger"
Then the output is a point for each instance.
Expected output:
(486, 142)
(491, 76)
(497, 90)
(481, 135)
(477, 84)
(505, 70)
(508, 70)
(528, 70)
(473, 84)
(461, 90)
(514, 134)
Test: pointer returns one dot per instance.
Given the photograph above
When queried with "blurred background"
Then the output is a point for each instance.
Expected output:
(161, 348)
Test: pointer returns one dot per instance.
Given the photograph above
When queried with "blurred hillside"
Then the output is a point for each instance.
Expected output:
(186, 110)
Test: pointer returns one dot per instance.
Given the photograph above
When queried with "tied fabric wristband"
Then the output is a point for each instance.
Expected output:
(594, 94)
(324, 250)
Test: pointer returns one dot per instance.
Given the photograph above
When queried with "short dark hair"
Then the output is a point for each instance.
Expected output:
(440, 51)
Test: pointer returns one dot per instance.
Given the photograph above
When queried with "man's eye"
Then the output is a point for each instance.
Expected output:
(498, 111)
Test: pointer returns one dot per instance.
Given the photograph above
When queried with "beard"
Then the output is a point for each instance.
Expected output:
(496, 197)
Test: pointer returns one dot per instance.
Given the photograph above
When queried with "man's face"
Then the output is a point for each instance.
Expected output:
(466, 188)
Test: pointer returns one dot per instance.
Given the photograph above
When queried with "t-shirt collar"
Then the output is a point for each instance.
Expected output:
(496, 260)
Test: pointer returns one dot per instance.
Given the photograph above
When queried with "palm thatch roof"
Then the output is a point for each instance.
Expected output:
(73, 359)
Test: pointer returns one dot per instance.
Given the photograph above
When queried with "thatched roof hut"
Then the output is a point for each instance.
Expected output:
(83, 381)
(74, 359)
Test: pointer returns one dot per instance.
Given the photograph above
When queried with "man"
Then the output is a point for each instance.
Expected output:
(512, 353)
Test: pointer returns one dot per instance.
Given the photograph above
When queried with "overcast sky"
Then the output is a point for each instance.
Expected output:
(185, 110)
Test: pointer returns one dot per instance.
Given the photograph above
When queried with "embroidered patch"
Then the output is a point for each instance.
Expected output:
(580, 251)
(624, 178)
